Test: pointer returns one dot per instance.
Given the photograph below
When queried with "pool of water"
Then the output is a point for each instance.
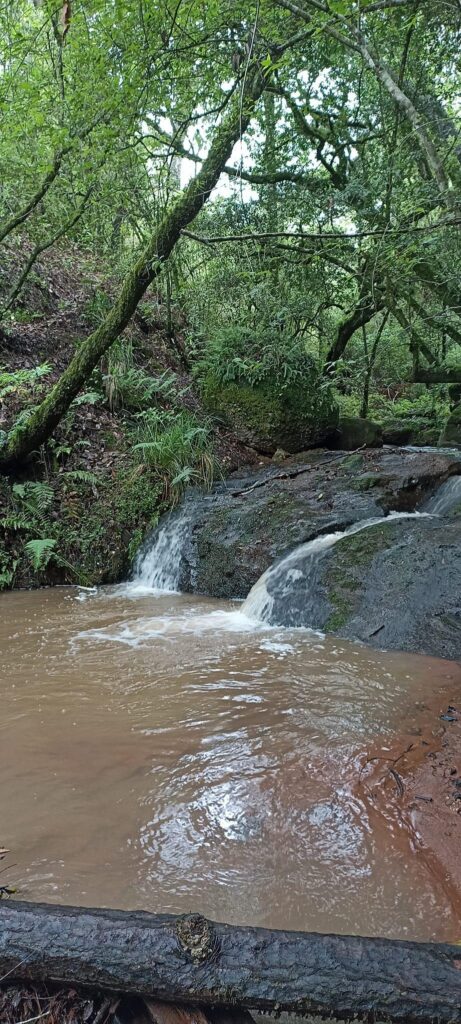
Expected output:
(164, 752)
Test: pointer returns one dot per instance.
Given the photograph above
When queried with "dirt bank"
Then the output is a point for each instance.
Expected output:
(433, 798)
(416, 787)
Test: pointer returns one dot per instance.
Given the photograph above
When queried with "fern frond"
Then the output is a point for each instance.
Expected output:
(40, 551)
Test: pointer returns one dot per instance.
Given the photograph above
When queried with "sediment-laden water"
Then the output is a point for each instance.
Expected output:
(169, 753)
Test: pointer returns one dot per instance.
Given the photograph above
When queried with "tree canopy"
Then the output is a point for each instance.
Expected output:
(323, 137)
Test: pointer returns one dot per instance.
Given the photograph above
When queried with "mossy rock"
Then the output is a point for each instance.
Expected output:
(268, 417)
(451, 433)
(346, 573)
(397, 432)
(410, 431)
(354, 432)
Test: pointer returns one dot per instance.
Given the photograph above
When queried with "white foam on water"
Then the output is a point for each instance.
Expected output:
(144, 629)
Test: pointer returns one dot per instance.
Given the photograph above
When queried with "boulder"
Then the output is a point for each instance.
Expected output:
(354, 432)
(395, 585)
(268, 416)
(451, 433)
(413, 431)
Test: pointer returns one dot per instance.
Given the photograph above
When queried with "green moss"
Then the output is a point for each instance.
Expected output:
(352, 463)
(344, 579)
(367, 481)
(268, 416)
(343, 610)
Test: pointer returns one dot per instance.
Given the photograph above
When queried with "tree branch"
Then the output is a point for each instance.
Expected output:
(320, 236)
(42, 247)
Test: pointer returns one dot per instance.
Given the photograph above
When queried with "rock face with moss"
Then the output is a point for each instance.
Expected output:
(451, 433)
(372, 585)
(270, 415)
(397, 585)
(354, 432)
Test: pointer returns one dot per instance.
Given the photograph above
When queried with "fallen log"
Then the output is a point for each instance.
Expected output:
(191, 961)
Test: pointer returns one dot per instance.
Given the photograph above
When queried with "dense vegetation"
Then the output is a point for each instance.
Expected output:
(215, 216)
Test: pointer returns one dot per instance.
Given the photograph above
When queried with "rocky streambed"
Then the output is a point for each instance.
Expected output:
(396, 584)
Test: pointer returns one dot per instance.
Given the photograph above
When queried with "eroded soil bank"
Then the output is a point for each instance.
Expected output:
(415, 784)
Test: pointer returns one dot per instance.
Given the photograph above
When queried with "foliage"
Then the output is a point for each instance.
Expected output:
(177, 449)
(255, 356)
(21, 382)
(134, 389)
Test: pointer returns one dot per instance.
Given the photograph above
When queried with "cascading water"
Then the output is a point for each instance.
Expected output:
(301, 563)
(446, 498)
(159, 567)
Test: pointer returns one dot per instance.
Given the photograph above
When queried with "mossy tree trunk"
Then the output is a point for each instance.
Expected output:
(27, 437)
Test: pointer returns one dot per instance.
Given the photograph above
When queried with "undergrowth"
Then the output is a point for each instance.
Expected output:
(77, 519)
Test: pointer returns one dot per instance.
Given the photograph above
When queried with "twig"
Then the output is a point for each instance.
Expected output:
(398, 779)
(13, 969)
(30, 1020)
(290, 474)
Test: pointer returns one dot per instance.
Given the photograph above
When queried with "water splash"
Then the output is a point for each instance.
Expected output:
(278, 579)
(159, 567)
(446, 498)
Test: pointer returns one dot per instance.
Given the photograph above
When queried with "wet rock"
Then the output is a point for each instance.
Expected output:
(415, 431)
(238, 530)
(396, 585)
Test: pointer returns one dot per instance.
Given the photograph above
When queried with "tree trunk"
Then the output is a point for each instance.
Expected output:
(27, 437)
(367, 308)
(190, 960)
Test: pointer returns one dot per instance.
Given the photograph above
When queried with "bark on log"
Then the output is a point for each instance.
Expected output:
(189, 960)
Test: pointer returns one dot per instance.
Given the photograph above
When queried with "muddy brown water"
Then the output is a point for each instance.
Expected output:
(164, 753)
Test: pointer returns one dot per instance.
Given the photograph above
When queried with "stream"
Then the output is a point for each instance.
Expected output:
(173, 753)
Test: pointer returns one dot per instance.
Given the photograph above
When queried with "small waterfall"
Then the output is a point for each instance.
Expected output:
(159, 566)
(446, 498)
(279, 578)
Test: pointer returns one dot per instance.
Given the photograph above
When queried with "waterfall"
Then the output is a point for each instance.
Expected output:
(446, 498)
(158, 566)
(300, 564)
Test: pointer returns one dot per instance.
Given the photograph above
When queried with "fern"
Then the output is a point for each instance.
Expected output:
(16, 523)
(82, 476)
(40, 551)
(35, 497)
(20, 381)
(89, 398)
